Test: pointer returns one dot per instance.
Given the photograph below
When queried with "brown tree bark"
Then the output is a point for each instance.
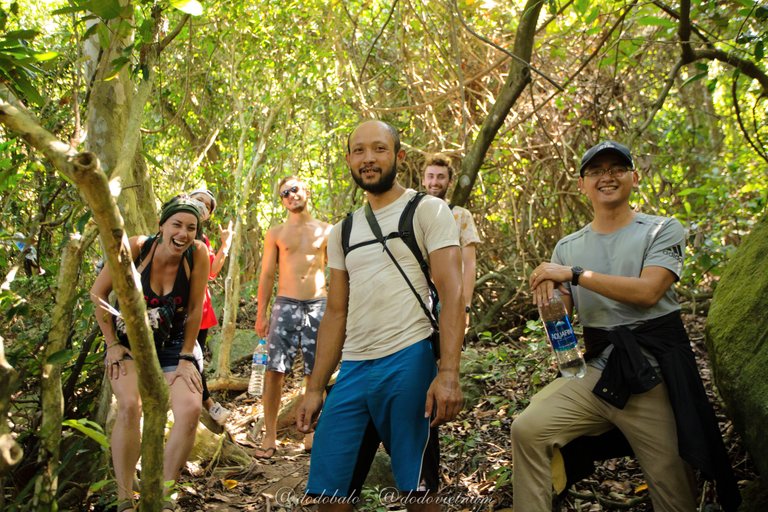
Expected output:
(51, 396)
(84, 170)
(10, 451)
(519, 77)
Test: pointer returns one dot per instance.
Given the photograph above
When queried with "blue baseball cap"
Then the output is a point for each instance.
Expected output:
(604, 146)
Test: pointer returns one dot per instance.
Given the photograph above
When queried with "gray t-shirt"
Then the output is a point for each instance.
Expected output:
(383, 314)
(648, 241)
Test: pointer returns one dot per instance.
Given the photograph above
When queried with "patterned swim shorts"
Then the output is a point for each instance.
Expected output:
(293, 323)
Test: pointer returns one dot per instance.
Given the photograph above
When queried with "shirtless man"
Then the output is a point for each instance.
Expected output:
(296, 250)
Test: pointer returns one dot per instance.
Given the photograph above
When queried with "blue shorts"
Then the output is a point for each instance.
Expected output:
(293, 323)
(375, 401)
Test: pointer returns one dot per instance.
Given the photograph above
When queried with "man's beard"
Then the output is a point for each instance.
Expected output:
(383, 185)
(442, 194)
(298, 208)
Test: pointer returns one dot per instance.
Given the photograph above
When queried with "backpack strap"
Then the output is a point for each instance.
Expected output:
(346, 231)
(144, 250)
(374, 225)
(408, 236)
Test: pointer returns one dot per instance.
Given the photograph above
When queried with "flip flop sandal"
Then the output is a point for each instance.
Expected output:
(266, 453)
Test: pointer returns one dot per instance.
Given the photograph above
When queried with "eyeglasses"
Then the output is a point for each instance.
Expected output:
(285, 193)
(597, 172)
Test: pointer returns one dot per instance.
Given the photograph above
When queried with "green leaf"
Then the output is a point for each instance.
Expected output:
(61, 357)
(68, 10)
(90, 429)
(694, 78)
(104, 36)
(655, 21)
(29, 91)
(191, 7)
(104, 9)
(21, 34)
(688, 191)
(41, 57)
(118, 63)
(97, 486)
(581, 6)
(760, 50)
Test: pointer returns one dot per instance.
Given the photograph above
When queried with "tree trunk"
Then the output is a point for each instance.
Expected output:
(10, 451)
(83, 169)
(518, 78)
(232, 281)
(111, 101)
(52, 399)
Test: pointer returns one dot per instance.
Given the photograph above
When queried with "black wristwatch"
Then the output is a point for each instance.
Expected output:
(576, 271)
(187, 357)
(466, 309)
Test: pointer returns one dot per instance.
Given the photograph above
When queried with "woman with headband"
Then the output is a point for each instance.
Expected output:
(174, 268)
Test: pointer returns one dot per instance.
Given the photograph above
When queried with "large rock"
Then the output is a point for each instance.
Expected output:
(737, 340)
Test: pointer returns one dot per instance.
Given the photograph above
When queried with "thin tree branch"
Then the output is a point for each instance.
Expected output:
(661, 99)
(376, 40)
(504, 50)
(735, 97)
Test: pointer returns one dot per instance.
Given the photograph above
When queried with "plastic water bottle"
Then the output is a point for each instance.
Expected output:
(258, 369)
(562, 338)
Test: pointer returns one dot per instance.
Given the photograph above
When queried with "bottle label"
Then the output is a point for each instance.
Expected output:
(260, 359)
(561, 334)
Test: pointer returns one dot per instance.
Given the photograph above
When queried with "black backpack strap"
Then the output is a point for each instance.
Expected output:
(346, 231)
(373, 223)
(407, 234)
(144, 250)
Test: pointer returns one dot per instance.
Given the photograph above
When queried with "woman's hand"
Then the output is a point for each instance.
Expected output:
(225, 235)
(188, 371)
(114, 361)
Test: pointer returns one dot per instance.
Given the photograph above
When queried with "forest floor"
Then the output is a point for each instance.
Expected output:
(476, 462)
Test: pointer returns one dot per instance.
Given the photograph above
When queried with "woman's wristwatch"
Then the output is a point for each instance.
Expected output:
(187, 357)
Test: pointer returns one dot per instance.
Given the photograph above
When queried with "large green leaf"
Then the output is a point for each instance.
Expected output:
(105, 9)
(655, 21)
(90, 429)
(191, 7)
(61, 357)
(21, 34)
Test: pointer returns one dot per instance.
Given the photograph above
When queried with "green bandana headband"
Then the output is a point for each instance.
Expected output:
(177, 205)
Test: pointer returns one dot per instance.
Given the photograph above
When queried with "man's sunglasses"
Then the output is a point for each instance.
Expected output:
(285, 193)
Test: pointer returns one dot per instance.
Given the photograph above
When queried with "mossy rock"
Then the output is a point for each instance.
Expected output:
(380, 475)
(737, 341)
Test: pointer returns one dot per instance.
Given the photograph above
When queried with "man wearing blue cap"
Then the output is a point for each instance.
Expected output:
(642, 392)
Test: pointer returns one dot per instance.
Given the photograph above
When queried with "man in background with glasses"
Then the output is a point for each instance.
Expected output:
(296, 251)
(642, 392)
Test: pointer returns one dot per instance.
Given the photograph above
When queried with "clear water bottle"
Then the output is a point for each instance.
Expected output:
(258, 369)
(562, 338)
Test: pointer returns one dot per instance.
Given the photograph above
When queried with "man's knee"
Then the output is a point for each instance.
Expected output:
(525, 429)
